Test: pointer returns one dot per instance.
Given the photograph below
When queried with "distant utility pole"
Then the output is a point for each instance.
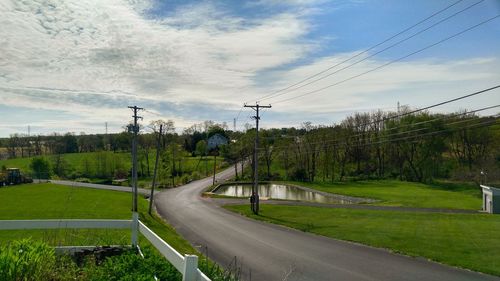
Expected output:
(215, 166)
(135, 131)
(158, 144)
(254, 199)
(234, 124)
(106, 138)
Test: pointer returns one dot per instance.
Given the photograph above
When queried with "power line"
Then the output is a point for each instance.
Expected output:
(154, 113)
(366, 50)
(409, 124)
(392, 61)
(480, 124)
(376, 53)
(331, 143)
(430, 106)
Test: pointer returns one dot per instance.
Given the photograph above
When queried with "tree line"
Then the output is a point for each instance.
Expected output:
(374, 145)
(415, 147)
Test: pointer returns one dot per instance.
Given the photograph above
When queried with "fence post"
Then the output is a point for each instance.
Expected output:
(190, 270)
(135, 228)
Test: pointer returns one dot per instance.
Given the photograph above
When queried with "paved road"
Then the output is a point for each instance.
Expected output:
(142, 191)
(273, 252)
(230, 201)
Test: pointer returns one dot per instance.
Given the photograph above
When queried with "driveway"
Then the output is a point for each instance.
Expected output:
(271, 252)
(143, 191)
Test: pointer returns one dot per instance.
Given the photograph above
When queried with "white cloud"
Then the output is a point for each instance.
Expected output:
(92, 58)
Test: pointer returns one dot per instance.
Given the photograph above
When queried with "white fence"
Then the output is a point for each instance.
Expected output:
(187, 265)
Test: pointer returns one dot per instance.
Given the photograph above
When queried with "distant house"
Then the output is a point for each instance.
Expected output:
(216, 141)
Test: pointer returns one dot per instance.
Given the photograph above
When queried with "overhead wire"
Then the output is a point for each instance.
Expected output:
(331, 143)
(390, 62)
(366, 50)
(399, 115)
(408, 124)
(370, 56)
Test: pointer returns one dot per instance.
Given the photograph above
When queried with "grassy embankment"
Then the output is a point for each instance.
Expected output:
(464, 240)
(407, 194)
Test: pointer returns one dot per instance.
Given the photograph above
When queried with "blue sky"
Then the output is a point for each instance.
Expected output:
(73, 65)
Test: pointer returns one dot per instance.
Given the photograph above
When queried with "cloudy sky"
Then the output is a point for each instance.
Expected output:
(72, 65)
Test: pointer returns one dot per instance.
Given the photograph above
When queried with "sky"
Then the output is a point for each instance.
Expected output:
(74, 65)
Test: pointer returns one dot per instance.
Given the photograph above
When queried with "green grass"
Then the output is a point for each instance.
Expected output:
(49, 201)
(86, 165)
(407, 194)
(464, 240)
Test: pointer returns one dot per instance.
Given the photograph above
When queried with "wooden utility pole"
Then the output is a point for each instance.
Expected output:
(158, 144)
(135, 216)
(254, 199)
(215, 166)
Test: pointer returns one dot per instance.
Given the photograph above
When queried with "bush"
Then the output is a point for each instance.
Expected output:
(185, 179)
(40, 167)
(131, 266)
(298, 174)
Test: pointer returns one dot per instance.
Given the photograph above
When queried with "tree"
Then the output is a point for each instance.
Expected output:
(40, 167)
(230, 154)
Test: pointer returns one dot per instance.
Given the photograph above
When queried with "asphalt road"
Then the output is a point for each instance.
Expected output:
(143, 191)
(272, 252)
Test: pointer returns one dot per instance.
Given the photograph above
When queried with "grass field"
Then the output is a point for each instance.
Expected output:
(91, 164)
(464, 240)
(408, 194)
(48, 201)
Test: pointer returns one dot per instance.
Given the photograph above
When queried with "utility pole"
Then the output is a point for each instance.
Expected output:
(135, 215)
(151, 197)
(215, 165)
(254, 199)
(106, 138)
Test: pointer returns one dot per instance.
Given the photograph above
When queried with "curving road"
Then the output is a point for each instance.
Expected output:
(272, 252)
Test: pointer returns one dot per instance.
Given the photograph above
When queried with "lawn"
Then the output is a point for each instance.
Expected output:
(465, 240)
(91, 164)
(408, 194)
(48, 201)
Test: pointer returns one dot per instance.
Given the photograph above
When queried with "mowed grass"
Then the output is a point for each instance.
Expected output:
(49, 201)
(465, 240)
(87, 163)
(407, 194)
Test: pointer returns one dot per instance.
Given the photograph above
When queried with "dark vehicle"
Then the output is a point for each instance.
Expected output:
(13, 176)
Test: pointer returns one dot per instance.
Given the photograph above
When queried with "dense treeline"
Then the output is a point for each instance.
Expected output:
(414, 147)
(21, 145)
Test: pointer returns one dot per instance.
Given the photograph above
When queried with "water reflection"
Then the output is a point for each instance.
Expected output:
(277, 191)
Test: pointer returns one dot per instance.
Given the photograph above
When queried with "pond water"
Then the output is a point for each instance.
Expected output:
(278, 191)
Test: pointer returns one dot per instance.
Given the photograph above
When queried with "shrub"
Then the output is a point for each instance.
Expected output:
(40, 167)
(298, 174)
(27, 260)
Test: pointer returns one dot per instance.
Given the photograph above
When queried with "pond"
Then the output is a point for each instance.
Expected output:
(278, 191)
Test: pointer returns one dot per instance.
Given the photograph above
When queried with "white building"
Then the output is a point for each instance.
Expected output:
(491, 199)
